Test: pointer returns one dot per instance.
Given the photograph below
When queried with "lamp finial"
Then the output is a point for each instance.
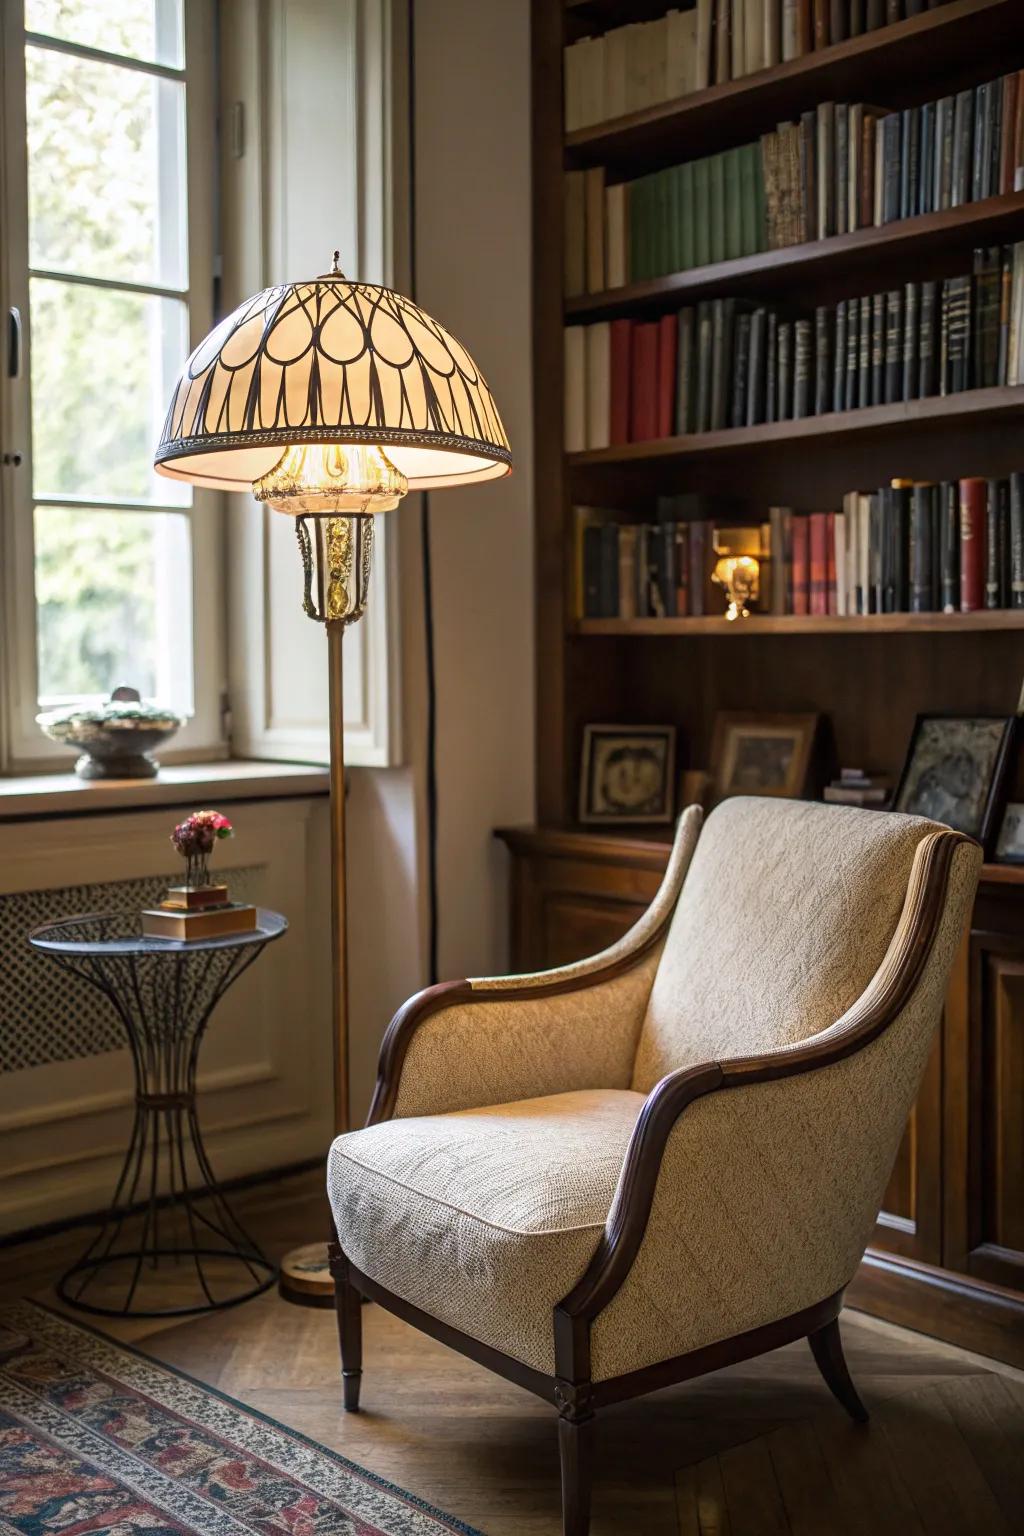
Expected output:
(336, 264)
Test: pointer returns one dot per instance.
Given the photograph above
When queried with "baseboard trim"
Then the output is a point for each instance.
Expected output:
(65, 1224)
(974, 1314)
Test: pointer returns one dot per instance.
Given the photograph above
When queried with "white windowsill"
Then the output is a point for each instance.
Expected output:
(62, 794)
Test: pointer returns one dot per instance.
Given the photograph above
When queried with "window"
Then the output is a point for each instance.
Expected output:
(112, 574)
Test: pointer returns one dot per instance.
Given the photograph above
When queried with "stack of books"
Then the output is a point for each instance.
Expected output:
(855, 787)
(639, 65)
(953, 547)
(733, 363)
(841, 167)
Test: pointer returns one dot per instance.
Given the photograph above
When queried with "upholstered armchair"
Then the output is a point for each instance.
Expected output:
(633, 1170)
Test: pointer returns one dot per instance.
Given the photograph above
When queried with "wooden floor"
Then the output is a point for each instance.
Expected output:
(756, 1450)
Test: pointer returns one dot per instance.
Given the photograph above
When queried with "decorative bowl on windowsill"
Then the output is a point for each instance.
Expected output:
(116, 739)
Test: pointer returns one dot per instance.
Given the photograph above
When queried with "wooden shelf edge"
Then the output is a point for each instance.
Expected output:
(936, 411)
(998, 619)
(624, 846)
(980, 221)
(796, 78)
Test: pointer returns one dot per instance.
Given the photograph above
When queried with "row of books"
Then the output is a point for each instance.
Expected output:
(644, 63)
(841, 167)
(952, 547)
(731, 363)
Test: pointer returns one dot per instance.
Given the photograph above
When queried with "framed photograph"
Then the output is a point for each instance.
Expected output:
(762, 754)
(955, 771)
(1010, 843)
(628, 774)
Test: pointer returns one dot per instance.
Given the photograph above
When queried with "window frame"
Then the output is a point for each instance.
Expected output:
(22, 745)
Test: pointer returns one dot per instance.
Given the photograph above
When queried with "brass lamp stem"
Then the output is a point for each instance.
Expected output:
(339, 937)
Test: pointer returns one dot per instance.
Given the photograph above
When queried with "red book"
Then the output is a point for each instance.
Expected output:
(643, 413)
(830, 550)
(801, 565)
(818, 563)
(621, 371)
(973, 503)
(668, 329)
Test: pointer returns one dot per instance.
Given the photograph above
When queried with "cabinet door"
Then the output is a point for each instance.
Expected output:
(985, 1118)
(565, 909)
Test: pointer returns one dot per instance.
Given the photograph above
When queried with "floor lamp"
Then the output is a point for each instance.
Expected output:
(328, 400)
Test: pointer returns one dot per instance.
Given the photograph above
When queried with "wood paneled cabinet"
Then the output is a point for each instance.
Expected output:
(948, 1252)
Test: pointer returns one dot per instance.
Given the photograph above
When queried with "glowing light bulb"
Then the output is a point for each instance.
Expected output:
(332, 477)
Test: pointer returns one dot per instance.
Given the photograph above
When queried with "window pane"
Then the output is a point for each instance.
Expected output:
(103, 365)
(114, 604)
(142, 29)
(106, 170)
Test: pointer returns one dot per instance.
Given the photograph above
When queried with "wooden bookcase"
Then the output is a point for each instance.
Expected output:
(868, 676)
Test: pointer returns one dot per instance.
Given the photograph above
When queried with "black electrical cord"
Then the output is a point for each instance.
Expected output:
(425, 547)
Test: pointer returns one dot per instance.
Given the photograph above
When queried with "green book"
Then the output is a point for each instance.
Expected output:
(672, 220)
(733, 207)
(717, 217)
(702, 212)
(687, 217)
(750, 159)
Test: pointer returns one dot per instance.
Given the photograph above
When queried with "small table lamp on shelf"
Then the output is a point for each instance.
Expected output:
(329, 400)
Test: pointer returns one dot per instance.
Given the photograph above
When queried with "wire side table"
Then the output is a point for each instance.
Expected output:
(168, 1208)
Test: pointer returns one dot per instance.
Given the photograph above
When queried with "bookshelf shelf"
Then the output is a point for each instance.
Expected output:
(938, 413)
(887, 62)
(821, 268)
(799, 624)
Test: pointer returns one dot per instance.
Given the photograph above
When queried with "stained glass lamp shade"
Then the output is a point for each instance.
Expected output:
(342, 367)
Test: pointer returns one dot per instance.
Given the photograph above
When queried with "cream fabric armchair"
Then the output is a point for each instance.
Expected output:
(633, 1170)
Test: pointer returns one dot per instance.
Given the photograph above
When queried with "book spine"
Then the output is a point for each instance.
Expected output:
(609, 576)
(864, 353)
(959, 339)
(592, 571)
(927, 351)
(833, 559)
(801, 565)
(921, 553)
(818, 563)
(756, 369)
(973, 497)
(741, 372)
(993, 573)
(621, 379)
(771, 369)
(808, 176)
(698, 531)
(878, 349)
(667, 335)
(722, 324)
(839, 359)
(627, 570)
(823, 382)
(784, 398)
(643, 422)
(777, 523)
(852, 353)
(680, 535)
(1017, 540)
(893, 345)
(949, 541)
(899, 536)
(801, 369)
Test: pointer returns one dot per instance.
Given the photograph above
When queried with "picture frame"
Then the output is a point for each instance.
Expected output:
(1010, 842)
(627, 775)
(762, 754)
(955, 772)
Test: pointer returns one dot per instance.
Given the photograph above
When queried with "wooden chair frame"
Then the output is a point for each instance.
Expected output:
(572, 1392)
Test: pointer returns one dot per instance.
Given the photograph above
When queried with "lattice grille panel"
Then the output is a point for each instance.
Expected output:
(46, 1014)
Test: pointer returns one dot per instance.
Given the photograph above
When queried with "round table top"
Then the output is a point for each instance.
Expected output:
(120, 933)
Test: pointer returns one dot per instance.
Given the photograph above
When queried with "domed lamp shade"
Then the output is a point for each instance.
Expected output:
(329, 400)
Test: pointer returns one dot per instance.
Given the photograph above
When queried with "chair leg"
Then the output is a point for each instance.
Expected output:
(349, 1307)
(827, 1349)
(576, 1454)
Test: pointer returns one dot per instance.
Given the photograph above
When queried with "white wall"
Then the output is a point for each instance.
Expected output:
(472, 230)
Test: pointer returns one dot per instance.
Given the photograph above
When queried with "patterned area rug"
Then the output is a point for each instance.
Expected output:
(96, 1440)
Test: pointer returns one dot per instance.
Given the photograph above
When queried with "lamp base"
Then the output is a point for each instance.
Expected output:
(305, 1276)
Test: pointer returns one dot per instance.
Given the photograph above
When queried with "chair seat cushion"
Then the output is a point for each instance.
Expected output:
(485, 1218)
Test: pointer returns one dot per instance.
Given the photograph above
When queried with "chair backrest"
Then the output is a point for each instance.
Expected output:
(786, 913)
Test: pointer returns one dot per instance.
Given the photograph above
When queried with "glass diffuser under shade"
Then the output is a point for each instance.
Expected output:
(330, 477)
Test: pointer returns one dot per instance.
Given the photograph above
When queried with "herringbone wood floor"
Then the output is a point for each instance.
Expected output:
(756, 1450)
